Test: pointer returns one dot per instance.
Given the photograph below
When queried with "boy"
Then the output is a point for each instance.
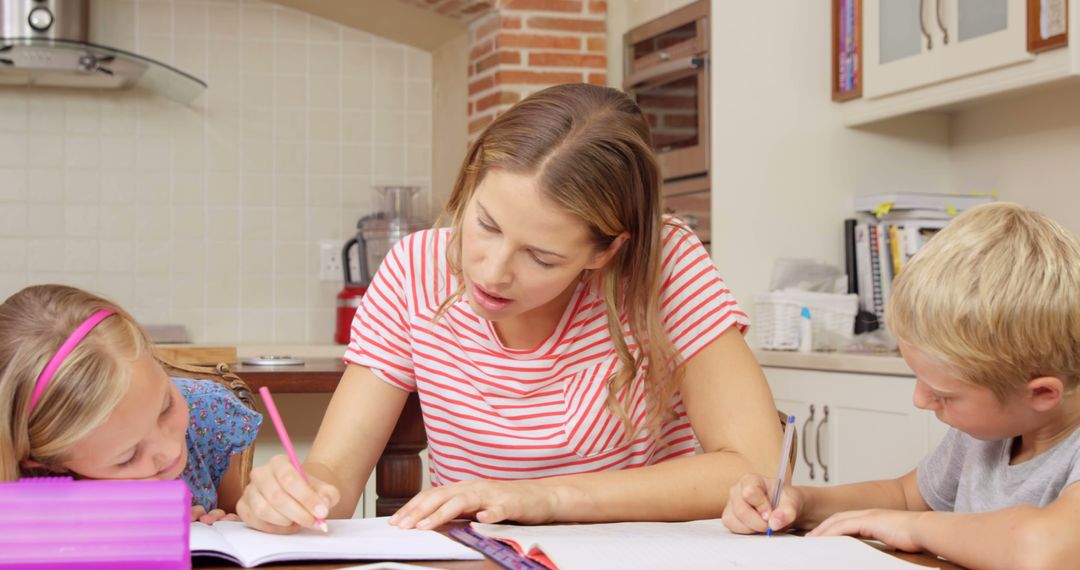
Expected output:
(987, 315)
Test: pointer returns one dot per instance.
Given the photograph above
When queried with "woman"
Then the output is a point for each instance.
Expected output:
(577, 356)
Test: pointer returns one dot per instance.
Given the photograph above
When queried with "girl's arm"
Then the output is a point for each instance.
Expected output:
(1017, 537)
(732, 413)
(229, 489)
(353, 433)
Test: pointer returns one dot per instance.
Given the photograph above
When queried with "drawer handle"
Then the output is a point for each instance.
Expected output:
(805, 433)
(817, 444)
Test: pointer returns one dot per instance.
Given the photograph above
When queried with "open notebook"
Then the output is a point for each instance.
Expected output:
(689, 545)
(355, 539)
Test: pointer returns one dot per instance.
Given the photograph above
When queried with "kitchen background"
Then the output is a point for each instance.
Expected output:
(209, 215)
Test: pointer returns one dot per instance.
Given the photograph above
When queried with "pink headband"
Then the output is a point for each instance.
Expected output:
(65, 349)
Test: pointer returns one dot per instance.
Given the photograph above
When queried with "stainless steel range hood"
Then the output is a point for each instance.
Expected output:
(44, 43)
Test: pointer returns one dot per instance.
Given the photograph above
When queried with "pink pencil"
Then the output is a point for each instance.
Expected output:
(275, 417)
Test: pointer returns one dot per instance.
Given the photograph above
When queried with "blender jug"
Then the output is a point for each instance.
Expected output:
(397, 219)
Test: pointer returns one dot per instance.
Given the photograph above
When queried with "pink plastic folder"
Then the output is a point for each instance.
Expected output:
(53, 523)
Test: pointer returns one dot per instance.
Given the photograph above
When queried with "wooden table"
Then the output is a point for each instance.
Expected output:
(398, 475)
(488, 564)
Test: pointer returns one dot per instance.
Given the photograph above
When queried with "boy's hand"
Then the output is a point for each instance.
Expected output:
(199, 514)
(894, 528)
(278, 500)
(749, 511)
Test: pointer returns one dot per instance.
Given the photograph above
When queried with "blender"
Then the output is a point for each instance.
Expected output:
(375, 235)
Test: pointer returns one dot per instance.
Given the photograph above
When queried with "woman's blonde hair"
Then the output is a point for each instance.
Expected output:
(996, 297)
(82, 394)
(590, 148)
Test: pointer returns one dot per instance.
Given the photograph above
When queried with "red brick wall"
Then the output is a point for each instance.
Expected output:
(522, 46)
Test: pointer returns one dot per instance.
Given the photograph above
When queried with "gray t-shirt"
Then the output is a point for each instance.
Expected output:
(967, 475)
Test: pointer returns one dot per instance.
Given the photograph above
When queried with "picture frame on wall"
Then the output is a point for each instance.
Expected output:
(1047, 24)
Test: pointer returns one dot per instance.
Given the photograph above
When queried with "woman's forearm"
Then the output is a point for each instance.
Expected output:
(679, 489)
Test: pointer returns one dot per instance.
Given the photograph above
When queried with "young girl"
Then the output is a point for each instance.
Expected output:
(577, 356)
(82, 394)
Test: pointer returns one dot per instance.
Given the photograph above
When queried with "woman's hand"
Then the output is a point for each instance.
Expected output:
(527, 502)
(749, 510)
(894, 528)
(198, 513)
(279, 501)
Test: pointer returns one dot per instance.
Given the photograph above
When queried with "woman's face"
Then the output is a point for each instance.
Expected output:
(521, 253)
(144, 438)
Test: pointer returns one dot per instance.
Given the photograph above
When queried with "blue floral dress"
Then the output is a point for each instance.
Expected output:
(220, 425)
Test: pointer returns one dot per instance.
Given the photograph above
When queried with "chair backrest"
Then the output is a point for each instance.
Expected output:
(227, 378)
(793, 454)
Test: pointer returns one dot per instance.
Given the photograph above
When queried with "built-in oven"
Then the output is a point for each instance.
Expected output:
(667, 73)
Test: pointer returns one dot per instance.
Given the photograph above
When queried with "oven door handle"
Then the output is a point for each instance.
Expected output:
(662, 72)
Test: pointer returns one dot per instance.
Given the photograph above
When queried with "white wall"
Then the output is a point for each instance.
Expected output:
(1027, 149)
(784, 168)
(209, 215)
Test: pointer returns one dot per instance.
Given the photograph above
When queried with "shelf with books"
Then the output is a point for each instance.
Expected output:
(886, 232)
(846, 49)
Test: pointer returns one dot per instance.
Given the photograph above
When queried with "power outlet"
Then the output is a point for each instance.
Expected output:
(330, 261)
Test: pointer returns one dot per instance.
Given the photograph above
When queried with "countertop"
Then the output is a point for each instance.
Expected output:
(890, 364)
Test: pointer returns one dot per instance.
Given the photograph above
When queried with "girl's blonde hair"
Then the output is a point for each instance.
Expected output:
(590, 148)
(995, 296)
(82, 394)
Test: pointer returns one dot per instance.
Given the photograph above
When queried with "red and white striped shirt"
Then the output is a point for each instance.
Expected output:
(493, 412)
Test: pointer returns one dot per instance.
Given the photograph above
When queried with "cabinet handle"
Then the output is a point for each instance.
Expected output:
(941, 26)
(922, 26)
(817, 443)
(805, 437)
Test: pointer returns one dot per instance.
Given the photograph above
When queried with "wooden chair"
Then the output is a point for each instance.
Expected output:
(793, 453)
(222, 375)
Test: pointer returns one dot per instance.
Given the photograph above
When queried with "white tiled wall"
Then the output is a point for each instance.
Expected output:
(209, 214)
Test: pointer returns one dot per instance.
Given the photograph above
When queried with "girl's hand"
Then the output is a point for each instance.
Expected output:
(486, 501)
(279, 501)
(894, 528)
(198, 513)
(749, 510)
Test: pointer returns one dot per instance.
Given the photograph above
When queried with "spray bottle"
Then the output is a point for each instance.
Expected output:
(806, 343)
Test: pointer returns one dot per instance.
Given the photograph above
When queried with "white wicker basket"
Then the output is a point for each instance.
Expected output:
(832, 319)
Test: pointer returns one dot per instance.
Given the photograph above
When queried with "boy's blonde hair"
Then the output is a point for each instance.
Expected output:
(996, 297)
(85, 389)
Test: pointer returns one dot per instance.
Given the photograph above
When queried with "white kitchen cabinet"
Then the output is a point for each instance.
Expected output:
(913, 43)
(853, 426)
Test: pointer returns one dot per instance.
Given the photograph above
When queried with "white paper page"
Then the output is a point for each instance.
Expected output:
(389, 566)
(352, 539)
(696, 544)
(204, 539)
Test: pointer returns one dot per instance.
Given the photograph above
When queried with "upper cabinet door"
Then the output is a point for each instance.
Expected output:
(983, 34)
(912, 43)
(901, 50)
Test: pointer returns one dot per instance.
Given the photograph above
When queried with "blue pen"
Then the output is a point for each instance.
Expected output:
(781, 473)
